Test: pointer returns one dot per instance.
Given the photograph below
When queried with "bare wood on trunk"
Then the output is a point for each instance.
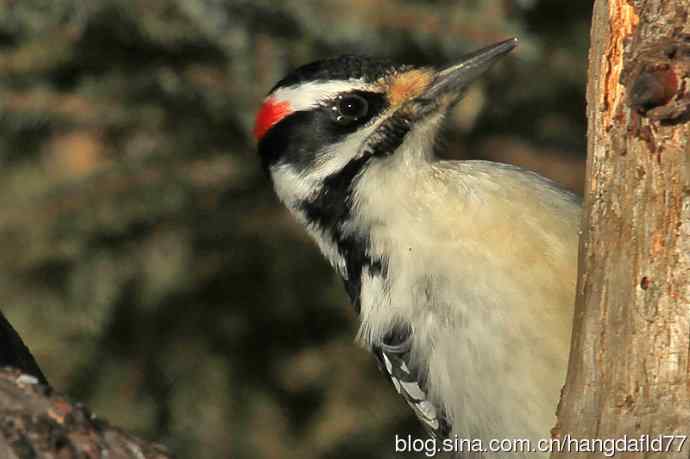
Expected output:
(628, 371)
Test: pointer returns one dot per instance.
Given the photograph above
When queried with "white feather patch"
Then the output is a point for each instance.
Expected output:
(306, 96)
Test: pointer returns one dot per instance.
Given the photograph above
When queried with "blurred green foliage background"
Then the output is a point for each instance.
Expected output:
(143, 256)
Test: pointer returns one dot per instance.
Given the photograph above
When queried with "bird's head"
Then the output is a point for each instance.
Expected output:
(342, 114)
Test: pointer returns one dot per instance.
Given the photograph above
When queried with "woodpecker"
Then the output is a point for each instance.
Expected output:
(462, 272)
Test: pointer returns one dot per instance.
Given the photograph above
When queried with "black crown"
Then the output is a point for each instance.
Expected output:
(342, 68)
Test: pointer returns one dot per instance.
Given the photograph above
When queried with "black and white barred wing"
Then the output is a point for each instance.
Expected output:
(394, 361)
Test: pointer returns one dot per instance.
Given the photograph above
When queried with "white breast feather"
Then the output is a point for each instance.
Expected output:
(483, 264)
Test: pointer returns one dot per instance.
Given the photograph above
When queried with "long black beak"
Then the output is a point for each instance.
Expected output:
(454, 79)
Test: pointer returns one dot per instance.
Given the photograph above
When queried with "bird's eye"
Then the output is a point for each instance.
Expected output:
(350, 108)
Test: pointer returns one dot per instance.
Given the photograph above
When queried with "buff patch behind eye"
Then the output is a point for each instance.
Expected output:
(408, 85)
(271, 112)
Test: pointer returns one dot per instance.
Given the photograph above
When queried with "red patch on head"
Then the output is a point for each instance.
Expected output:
(270, 113)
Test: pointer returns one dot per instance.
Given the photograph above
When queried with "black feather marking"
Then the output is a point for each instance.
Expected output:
(393, 356)
(391, 135)
(329, 210)
(332, 207)
(343, 67)
(357, 258)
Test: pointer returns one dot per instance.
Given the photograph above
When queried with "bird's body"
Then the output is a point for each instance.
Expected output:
(463, 271)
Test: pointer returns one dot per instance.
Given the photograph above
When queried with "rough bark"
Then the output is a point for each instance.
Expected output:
(35, 423)
(628, 372)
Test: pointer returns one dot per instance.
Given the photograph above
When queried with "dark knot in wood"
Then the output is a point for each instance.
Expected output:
(653, 89)
(657, 78)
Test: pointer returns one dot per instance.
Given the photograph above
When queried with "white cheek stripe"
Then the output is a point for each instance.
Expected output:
(306, 96)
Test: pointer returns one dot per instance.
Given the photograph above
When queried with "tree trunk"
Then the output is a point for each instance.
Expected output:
(37, 423)
(628, 372)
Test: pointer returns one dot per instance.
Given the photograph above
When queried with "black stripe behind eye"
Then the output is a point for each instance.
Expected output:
(298, 138)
